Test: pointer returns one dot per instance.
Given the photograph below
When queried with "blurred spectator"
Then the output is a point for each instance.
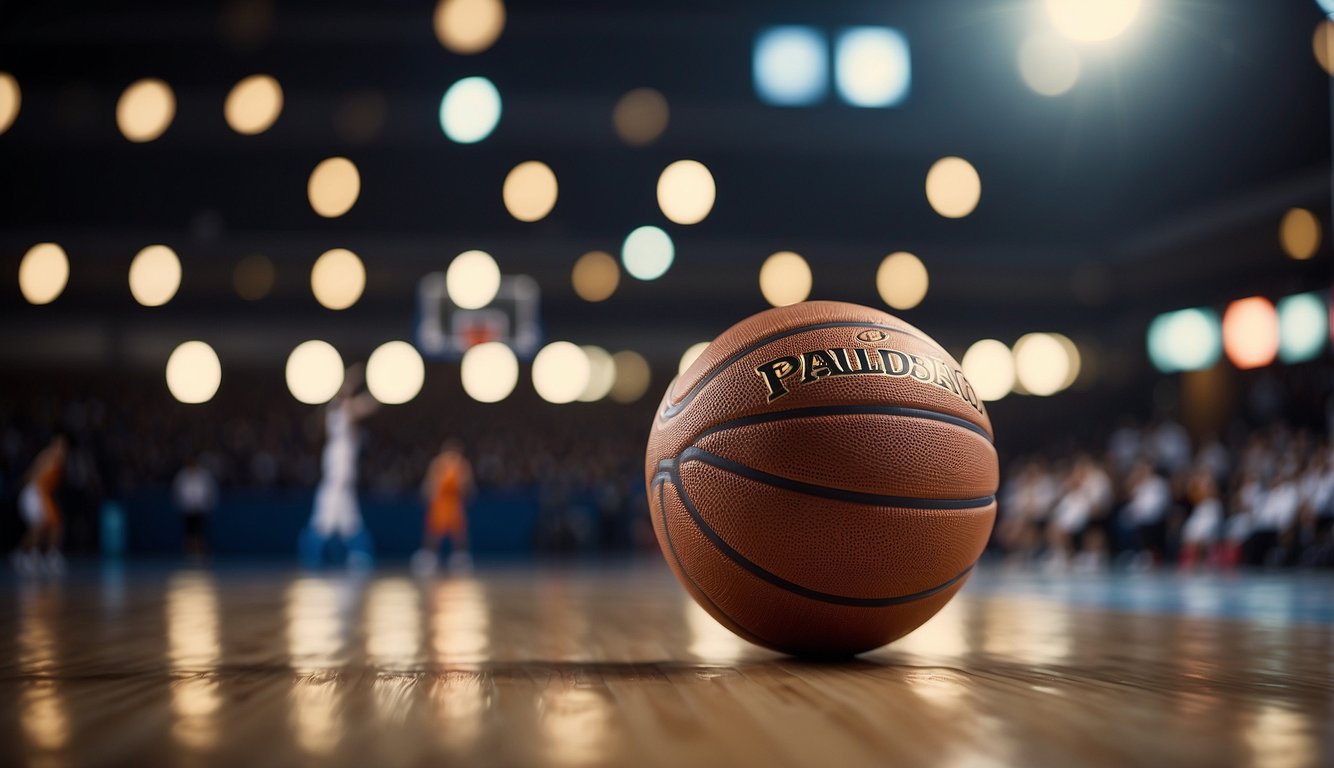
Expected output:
(1150, 497)
(1203, 529)
(195, 493)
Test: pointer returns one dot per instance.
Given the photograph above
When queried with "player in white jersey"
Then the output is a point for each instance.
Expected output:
(337, 513)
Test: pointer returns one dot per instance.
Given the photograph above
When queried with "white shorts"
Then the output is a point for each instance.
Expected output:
(31, 507)
(336, 511)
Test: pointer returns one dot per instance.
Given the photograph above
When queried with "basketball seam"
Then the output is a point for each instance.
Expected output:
(846, 410)
(674, 408)
(726, 549)
(660, 480)
(695, 453)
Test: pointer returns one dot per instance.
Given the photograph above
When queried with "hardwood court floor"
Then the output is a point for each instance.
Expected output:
(614, 666)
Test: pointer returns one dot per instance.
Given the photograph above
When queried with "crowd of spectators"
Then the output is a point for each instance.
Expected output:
(1152, 496)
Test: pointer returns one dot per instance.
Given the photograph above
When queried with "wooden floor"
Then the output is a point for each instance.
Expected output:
(259, 666)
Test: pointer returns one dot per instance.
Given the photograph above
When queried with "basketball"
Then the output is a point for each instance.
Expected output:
(822, 478)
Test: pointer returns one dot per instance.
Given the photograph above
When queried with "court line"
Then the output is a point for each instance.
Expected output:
(847, 410)
(673, 409)
(755, 569)
(694, 453)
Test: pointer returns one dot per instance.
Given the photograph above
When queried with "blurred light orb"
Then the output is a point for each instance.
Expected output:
(989, 367)
(11, 99)
(470, 110)
(640, 116)
(1074, 358)
(155, 275)
(1041, 364)
(314, 372)
(633, 376)
(253, 105)
(1048, 65)
(490, 371)
(472, 279)
(560, 372)
(1250, 332)
(530, 191)
(145, 110)
(253, 277)
(647, 253)
(469, 26)
(689, 356)
(785, 278)
(1091, 21)
(601, 374)
(43, 273)
(902, 280)
(1185, 340)
(953, 187)
(1303, 327)
(1322, 44)
(872, 67)
(791, 66)
(1299, 233)
(1327, 6)
(596, 275)
(334, 187)
(193, 372)
(395, 373)
(686, 192)
(338, 278)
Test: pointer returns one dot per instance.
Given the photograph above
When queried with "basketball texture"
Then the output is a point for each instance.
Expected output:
(822, 479)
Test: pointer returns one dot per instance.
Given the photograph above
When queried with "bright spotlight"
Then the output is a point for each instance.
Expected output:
(791, 66)
(253, 105)
(489, 371)
(953, 187)
(560, 372)
(1303, 326)
(601, 374)
(193, 372)
(1091, 21)
(472, 279)
(686, 192)
(872, 67)
(1049, 65)
(43, 273)
(155, 275)
(338, 278)
(314, 372)
(647, 253)
(633, 376)
(902, 280)
(334, 187)
(470, 110)
(689, 356)
(145, 110)
(1041, 364)
(11, 98)
(785, 278)
(1185, 340)
(469, 26)
(1250, 332)
(395, 373)
(989, 367)
(529, 191)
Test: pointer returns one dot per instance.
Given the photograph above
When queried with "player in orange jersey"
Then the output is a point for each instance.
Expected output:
(447, 485)
(37, 503)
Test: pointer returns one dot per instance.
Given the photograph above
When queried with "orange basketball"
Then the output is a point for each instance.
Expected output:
(822, 479)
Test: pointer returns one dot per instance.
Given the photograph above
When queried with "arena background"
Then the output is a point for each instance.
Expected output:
(1160, 182)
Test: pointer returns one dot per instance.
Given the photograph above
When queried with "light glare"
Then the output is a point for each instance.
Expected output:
(647, 253)
(470, 110)
(785, 278)
(989, 367)
(472, 280)
(43, 273)
(1303, 326)
(902, 280)
(953, 187)
(314, 372)
(791, 66)
(489, 372)
(193, 372)
(338, 278)
(872, 67)
(155, 275)
(530, 191)
(1250, 332)
(145, 110)
(395, 373)
(334, 187)
(686, 192)
(253, 105)
(560, 372)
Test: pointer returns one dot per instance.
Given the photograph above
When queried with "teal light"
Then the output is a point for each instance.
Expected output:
(1185, 340)
(1303, 325)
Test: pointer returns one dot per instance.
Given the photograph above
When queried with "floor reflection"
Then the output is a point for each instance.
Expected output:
(459, 622)
(393, 624)
(43, 713)
(575, 725)
(193, 651)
